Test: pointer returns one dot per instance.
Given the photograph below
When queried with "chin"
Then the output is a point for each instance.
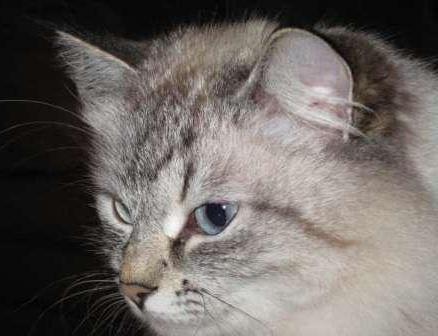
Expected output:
(163, 327)
(215, 320)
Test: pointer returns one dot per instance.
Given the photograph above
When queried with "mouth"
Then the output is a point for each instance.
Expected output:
(172, 310)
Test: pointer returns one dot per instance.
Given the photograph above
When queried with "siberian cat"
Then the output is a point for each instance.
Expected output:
(254, 180)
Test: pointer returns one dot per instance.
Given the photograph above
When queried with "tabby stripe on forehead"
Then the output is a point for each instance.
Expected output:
(188, 137)
(187, 177)
(162, 162)
(307, 227)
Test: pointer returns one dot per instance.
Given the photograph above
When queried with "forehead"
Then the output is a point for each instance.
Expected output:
(180, 114)
(160, 130)
(170, 125)
(184, 95)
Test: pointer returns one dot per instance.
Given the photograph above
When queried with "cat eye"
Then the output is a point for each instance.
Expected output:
(213, 218)
(121, 212)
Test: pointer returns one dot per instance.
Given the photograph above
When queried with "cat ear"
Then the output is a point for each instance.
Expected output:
(96, 73)
(307, 78)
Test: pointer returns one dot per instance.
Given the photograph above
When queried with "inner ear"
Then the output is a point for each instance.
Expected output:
(306, 78)
(313, 62)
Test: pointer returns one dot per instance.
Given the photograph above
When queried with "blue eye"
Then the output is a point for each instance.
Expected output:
(213, 218)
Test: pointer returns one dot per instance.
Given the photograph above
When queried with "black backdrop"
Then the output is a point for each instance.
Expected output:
(44, 204)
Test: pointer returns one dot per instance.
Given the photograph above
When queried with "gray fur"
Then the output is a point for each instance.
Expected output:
(335, 235)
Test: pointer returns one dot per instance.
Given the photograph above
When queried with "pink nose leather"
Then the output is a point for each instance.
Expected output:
(136, 293)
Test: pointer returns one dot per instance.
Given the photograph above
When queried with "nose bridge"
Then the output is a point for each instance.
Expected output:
(144, 262)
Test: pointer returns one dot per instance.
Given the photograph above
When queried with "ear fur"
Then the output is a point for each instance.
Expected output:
(307, 78)
(96, 72)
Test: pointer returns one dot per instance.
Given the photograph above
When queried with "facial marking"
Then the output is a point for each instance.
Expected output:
(174, 222)
(187, 177)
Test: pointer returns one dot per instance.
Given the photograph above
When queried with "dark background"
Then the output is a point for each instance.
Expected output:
(45, 206)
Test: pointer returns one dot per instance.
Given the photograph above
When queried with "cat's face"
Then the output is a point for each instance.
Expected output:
(226, 212)
(280, 240)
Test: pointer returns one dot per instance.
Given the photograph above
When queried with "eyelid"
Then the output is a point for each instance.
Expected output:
(121, 211)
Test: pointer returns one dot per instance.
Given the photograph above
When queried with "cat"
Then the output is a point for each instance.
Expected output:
(258, 180)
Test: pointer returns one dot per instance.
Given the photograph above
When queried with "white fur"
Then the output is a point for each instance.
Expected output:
(174, 222)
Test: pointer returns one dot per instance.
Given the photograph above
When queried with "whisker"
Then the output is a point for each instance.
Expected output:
(139, 327)
(31, 157)
(84, 280)
(43, 103)
(125, 315)
(22, 135)
(104, 316)
(121, 309)
(103, 288)
(45, 122)
(84, 181)
(102, 301)
(210, 315)
(229, 327)
(203, 290)
(203, 316)
(63, 299)
(40, 292)
(75, 97)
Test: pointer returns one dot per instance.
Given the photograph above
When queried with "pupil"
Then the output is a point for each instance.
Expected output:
(216, 214)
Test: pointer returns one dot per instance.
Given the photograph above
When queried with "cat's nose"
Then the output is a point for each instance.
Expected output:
(136, 293)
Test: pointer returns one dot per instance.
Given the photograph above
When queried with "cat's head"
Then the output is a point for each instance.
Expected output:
(233, 183)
